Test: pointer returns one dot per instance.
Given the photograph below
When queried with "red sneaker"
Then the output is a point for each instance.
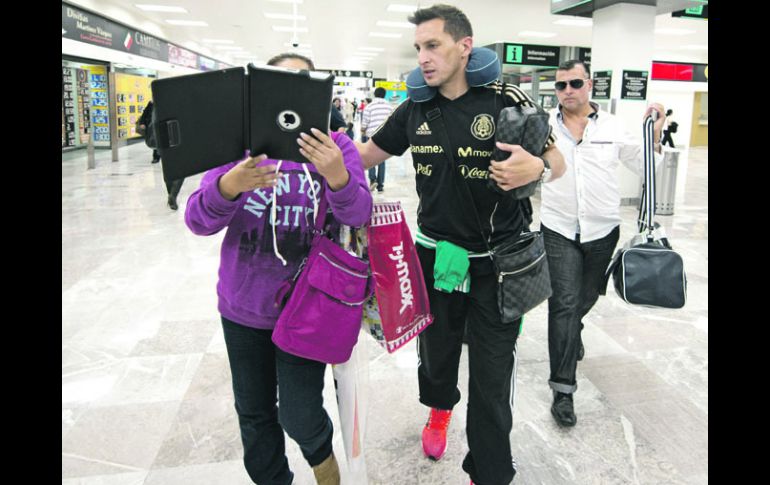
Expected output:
(434, 433)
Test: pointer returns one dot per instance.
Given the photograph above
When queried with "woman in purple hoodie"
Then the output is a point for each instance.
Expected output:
(268, 208)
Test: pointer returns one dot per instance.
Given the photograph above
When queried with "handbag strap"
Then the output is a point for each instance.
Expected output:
(436, 119)
(646, 220)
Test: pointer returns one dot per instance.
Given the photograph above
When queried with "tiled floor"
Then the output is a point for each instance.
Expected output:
(146, 395)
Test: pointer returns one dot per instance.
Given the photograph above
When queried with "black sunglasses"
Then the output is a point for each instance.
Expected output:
(575, 83)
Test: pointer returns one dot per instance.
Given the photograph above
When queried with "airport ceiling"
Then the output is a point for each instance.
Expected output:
(338, 31)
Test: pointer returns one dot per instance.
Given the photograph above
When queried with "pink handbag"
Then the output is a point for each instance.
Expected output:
(322, 316)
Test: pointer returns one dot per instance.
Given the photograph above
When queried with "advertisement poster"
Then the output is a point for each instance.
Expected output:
(83, 104)
(68, 100)
(99, 104)
(602, 84)
(395, 90)
(634, 85)
(133, 93)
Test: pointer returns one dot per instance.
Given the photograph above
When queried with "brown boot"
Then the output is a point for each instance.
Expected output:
(327, 472)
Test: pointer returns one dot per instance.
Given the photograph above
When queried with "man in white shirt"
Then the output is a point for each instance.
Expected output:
(375, 114)
(580, 218)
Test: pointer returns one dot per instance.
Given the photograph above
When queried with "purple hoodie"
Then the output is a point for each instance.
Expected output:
(249, 271)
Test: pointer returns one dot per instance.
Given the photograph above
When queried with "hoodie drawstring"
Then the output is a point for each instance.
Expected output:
(273, 209)
(273, 214)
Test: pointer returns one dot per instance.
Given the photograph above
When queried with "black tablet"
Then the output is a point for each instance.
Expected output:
(209, 119)
(200, 121)
(283, 103)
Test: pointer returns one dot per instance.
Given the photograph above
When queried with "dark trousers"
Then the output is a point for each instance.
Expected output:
(173, 187)
(667, 137)
(155, 154)
(492, 362)
(376, 173)
(259, 368)
(577, 272)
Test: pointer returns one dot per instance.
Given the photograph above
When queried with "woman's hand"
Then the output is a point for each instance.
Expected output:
(326, 156)
(246, 176)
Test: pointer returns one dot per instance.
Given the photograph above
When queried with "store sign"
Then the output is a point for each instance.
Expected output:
(531, 55)
(634, 85)
(207, 64)
(344, 73)
(83, 26)
(182, 57)
(602, 84)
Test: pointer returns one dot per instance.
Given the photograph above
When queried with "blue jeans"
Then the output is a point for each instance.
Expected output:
(259, 369)
(577, 273)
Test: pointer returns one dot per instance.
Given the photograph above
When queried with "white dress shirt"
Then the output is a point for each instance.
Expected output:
(586, 199)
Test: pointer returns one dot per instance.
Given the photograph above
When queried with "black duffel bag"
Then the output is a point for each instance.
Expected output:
(646, 270)
(650, 273)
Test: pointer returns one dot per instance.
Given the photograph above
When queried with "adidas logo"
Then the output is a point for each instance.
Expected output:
(424, 129)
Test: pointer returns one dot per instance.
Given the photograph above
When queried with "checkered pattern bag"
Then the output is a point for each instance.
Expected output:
(523, 278)
(520, 125)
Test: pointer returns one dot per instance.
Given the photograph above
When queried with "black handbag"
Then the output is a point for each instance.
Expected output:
(520, 125)
(523, 279)
(520, 262)
(646, 270)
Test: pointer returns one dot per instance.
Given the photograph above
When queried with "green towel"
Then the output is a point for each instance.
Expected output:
(451, 267)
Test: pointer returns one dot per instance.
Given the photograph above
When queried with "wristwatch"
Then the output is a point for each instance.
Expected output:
(546, 175)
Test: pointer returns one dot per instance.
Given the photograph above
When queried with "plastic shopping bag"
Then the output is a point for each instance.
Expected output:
(399, 285)
(351, 380)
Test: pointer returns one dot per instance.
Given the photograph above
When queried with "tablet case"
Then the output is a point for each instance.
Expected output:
(209, 119)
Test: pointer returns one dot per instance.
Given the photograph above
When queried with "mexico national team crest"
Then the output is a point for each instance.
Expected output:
(483, 127)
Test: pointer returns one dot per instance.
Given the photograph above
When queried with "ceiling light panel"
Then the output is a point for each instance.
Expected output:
(285, 16)
(397, 7)
(188, 23)
(400, 25)
(160, 8)
(385, 34)
(530, 33)
(283, 28)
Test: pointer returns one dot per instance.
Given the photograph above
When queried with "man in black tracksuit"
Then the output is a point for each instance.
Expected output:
(443, 39)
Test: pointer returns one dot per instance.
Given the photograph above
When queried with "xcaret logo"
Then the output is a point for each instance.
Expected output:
(128, 42)
(407, 299)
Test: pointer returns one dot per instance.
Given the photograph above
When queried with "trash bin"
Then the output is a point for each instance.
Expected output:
(665, 183)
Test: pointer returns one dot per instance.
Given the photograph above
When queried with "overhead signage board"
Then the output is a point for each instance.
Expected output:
(348, 73)
(701, 12)
(679, 71)
(531, 55)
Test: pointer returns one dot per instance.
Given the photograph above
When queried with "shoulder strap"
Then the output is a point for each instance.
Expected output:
(646, 220)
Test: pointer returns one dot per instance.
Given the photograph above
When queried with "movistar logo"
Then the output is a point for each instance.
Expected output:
(470, 152)
(424, 129)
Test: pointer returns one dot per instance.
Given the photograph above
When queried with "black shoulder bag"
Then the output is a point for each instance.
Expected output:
(520, 263)
(646, 270)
